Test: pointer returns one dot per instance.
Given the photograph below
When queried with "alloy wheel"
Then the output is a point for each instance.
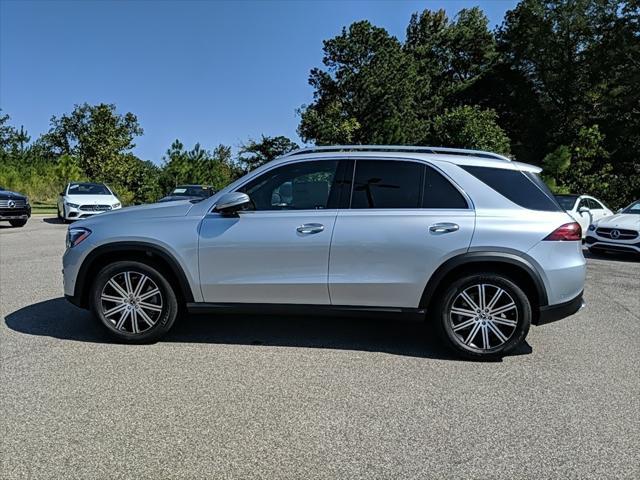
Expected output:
(131, 302)
(483, 317)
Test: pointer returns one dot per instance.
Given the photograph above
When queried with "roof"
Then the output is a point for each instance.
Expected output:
(456, 156)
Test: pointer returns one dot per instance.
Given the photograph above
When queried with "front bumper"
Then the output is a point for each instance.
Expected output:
(72, 213)
(15, 213)
(595, 242)
(553, 313)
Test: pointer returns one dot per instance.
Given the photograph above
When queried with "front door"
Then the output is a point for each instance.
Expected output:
(277, 252)
(405, 219)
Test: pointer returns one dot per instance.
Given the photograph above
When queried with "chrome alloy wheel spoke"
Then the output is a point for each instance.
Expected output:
(483, 316)
(132, 302)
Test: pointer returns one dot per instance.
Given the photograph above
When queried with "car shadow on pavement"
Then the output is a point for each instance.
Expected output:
(612, 256)
(59, 319)
(53, 220)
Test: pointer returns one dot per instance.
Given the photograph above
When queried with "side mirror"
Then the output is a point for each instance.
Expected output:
(62, 194)
(583, 210)
(231, 203)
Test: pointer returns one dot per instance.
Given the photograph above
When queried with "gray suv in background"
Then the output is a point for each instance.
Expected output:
(469, 240)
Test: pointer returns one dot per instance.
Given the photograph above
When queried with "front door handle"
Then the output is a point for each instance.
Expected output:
(310, 228)
(445, 227)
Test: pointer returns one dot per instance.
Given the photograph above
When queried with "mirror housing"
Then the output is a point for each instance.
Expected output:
(231, 203)
(583, 210)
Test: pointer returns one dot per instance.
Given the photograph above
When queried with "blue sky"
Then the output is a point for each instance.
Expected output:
(208, 72)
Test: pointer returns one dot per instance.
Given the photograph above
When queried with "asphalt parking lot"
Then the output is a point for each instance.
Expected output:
(266, 397)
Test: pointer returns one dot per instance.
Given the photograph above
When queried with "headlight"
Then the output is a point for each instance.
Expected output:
(72, 205)
(26, 200)
(592, 227)
(76, 236)
(115, 205)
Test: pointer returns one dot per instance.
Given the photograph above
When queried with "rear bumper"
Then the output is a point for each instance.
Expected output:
(552, 313)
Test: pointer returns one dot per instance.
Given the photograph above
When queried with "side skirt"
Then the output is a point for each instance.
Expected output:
(306, 310)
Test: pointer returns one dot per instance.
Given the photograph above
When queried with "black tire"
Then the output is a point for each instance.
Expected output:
(18, 223)
(165, 301)
(513, 333)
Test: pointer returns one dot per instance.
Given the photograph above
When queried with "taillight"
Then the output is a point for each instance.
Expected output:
(568, 232)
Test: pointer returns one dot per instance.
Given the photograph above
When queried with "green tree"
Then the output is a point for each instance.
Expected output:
(254, 153)
(366, 92)
(95, 134)
(555, 166)
(469, 127)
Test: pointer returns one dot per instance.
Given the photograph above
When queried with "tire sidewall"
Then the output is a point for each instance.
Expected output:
(170, 304)
(524, 315)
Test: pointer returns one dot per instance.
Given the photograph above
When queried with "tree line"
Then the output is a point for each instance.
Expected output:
(554, 85)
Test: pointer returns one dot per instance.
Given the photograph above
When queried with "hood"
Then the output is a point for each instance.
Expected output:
(140, 212)
(8, 194)
(174, 198)
(630, 221)
(91, 199)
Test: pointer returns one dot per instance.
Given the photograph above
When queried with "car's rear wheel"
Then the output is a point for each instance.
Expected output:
(484, 316)
(18, 223)
(134, 301)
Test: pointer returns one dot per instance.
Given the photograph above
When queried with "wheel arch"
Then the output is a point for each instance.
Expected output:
(514, 266)
(149, 253)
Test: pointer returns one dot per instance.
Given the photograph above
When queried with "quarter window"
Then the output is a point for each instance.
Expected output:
(297, 186)
(522, 188)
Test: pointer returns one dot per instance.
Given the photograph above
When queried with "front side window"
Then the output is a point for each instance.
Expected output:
(633, 208)
(298, 186)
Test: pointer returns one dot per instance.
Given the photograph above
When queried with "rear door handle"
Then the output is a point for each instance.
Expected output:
(444, 227)
(310, 228)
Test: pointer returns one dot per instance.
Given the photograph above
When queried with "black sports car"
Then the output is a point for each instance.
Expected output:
(14, 207)
(194, 193)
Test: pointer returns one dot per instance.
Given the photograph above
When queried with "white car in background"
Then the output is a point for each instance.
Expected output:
(85, 199)
(584, 209)
(618, 233)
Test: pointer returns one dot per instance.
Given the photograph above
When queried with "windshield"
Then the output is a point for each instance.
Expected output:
(191, 191)
(566, 201)
(633, 208)
(88, 189)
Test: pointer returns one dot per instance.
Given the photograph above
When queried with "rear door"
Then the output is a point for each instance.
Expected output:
(403, 219)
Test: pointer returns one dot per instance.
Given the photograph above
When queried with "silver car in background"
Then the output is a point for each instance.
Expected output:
(469, 240)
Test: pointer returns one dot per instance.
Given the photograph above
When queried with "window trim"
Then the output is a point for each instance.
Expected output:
(353, 160)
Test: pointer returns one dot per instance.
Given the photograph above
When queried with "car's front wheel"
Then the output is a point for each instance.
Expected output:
(134, 301)
(484, 316)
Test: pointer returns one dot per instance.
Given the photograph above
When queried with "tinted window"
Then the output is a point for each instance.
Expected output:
(387, 184)
(633, 208)
(524, 189)
(566, 201)
(584, 203)
(298, 186)
(439, 193)
(595, 205)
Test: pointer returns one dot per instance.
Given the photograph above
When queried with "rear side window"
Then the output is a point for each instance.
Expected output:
(439, 193)
(382, 184)
(522, 188)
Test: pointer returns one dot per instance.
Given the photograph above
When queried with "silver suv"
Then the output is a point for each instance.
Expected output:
(469, 240)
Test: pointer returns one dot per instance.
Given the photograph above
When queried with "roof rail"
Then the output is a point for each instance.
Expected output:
(399, 148)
